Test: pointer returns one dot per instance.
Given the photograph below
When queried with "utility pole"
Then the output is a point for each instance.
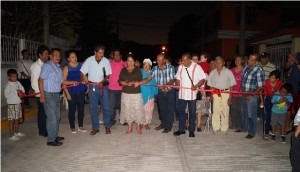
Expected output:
(46, 22)
(242, 28)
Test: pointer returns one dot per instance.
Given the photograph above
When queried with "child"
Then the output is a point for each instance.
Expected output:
(279, 109)
(271, 86)
(14, 112)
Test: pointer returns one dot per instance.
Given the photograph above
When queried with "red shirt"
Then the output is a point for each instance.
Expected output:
(204, 66)
(268, 90)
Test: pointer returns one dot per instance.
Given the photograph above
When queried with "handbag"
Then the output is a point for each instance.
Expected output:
(198, 95)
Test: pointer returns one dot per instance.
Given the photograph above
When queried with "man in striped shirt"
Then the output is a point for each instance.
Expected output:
(253, 82)
(267, 66)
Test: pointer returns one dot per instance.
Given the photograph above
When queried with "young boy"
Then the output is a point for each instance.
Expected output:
(280, 100)
(14, 112)
(271, 86)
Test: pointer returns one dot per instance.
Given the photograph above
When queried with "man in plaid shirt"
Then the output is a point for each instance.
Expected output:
(252, 81)
(164, 74)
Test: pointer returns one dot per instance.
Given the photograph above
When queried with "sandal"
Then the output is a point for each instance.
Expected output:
(139, 130)
(129, 130)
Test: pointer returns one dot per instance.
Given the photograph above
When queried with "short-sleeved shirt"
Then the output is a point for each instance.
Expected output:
(268, 68)
(196, 73)
(268, 87)
(164, 76)
(134, 76)
(116, 68)
(297, 118)
(282, 107)
(52, 75)
(252, 78)
(238, 79)
(205, 67)
(223, 81)
(95, 69)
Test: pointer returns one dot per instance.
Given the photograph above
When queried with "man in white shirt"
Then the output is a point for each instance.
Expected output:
(222, 79)
(23, 66)
(189, 75)
(43, 54)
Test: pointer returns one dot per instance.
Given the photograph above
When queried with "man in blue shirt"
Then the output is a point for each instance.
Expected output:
(252, 81)
(50, 82)
(96, 67)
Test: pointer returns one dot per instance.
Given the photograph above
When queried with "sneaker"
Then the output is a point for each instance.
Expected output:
(73, 130)
(19, 134)
(273, 137)
(82, 129)
(283, 140)
(100, 121)
(14, 138)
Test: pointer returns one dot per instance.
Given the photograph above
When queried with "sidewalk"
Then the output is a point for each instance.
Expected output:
(152, 151)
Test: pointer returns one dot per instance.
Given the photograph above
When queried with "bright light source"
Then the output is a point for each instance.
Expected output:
(163, 48)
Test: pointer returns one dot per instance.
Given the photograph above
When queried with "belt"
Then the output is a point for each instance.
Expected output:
(223, 89)
(94, 82)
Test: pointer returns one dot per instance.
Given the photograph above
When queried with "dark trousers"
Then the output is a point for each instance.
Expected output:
(267, 115)
(177, 109)
(76, 102)
(41, 117)
(295, 153)
(183, 116)
(27, 85)
(114, 103)
(166, 103)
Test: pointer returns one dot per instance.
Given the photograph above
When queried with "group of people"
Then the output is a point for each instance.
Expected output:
(115, 84)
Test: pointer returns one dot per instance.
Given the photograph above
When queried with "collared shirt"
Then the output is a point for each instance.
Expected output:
(252, 78)
(35, 74)
(196, 73)
(24, 66)
(268, 68)
(11, 94)
(52, 75)
(116, 68)
(164, 76)
(297, 118)
(95, 69)
(223, 81)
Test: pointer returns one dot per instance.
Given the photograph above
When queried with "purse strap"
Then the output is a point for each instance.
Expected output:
(189, 76)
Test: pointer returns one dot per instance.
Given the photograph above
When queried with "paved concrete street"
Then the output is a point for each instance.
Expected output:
(152, 151)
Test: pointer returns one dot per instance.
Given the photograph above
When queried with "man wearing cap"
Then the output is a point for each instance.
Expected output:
(267, 66)
(221, 79)
(114, 89)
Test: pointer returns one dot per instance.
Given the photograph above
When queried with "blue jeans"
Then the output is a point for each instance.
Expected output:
(98, 97)
(166, 103)
(52, 109)
(77, 101)
(114, 103)
(268, 112)
(183, 116)
(249, 115)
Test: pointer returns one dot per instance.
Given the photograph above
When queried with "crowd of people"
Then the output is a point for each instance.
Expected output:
(111, 83)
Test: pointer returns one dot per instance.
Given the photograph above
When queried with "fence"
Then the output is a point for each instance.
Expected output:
(11, 49)
(278, 54)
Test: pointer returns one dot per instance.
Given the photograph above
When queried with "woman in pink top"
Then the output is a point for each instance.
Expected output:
(236, 98)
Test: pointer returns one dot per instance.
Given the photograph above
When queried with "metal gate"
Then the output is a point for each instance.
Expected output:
(278, 56)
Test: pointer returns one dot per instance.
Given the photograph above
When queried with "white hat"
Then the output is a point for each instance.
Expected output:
(147, 61)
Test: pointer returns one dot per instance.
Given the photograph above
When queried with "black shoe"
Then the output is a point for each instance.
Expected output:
(43, 134)
(125, 123)
(249, 136)
(191, 134)
(177, 133)
(159, 127)
(166, 130)
(199, 130)
(54, 143)
(58, 139)
(237, 131)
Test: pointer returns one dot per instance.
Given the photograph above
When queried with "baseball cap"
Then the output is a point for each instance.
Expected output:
(264, 55)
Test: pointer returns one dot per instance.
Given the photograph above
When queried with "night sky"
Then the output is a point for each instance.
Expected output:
(149, 22)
